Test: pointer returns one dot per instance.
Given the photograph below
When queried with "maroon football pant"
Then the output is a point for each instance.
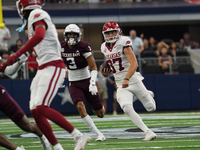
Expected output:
(79, 91)
(9, 106)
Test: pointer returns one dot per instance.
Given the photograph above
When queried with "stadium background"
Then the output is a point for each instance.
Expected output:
(163, 20)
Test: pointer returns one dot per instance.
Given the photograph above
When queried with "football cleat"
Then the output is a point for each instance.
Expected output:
(45, 143)
(81, 141)
(22, 148)
(100, 137)
(149, 136)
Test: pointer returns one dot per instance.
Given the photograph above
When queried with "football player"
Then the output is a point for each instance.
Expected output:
(119, 55)
(43, 39)
(77, 56)
(12, 110)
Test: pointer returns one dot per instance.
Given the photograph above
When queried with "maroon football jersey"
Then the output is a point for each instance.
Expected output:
(74, 58)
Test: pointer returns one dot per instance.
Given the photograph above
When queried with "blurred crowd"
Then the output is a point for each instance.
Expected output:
(98, 1)
(164, 52)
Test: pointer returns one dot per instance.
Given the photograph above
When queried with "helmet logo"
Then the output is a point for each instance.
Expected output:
(33, 1)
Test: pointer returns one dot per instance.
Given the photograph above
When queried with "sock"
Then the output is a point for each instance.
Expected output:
(44, 126)
(136, 119)
(89, 122)
(18, 148)
(43, 139)
(76, 133)
(58, 147)
(55, 117)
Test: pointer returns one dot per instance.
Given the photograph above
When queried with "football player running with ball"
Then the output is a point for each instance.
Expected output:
(43, 38)
(77, 56)
(122, 61)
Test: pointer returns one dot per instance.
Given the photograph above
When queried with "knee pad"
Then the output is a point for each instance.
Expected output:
(150, 107)
(126, 108)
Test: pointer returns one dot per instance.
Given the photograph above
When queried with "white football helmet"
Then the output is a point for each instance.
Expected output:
(27, 5)
(111, 26)
(72, 28)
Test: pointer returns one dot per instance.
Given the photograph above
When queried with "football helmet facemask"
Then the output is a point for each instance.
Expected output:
(27, 5)
(111, 26)
(72, 34)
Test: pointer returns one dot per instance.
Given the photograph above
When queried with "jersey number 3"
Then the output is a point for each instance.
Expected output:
(72, 64)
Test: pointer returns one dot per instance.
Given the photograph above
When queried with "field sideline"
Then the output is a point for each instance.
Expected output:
(175, 131)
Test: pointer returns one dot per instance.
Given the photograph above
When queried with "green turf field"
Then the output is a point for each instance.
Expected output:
(175, 131)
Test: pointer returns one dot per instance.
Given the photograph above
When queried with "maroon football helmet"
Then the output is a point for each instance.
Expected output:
(27, 5)
(111, 26)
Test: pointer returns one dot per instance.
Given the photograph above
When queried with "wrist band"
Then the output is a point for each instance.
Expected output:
(126, 79)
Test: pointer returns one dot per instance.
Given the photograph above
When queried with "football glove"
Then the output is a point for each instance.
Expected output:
(93, 88)
(12, 58)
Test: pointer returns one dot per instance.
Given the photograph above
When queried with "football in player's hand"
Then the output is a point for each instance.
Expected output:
(106, 66)
(105, 69)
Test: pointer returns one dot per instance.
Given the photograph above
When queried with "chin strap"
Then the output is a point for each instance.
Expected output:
(20, 29)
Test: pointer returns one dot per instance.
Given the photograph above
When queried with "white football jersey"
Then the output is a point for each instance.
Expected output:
(118, 61)
(49, 49)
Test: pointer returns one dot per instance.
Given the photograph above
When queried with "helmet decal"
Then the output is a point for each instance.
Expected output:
(27, 5)
(111, 26)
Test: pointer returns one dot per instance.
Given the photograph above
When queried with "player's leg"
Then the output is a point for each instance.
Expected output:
(125, 99)
(115, 104)
(6, 143)
(145, 96)
(12, 110)
(16, 114)
(77, 91)
(28, 126)
(104, 97)
(47, 83)
(98, 107)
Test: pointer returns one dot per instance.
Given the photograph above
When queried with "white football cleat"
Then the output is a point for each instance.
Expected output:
(22, 148)
(45, 143)
(100, 137)
(149, 136)
(81, 141)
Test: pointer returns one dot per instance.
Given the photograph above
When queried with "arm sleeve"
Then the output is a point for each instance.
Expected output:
(11, 70)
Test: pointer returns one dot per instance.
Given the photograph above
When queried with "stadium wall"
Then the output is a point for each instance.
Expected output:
(172, 92)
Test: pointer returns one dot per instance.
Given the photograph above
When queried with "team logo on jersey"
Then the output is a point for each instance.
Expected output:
(36, 16)
(113, 55)
(3, 91)
(76, 54)
(90, 48)
(105, 50)
(128, 42)
(62, 49)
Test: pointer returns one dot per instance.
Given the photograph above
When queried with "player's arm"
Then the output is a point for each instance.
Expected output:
(12, 69)
(92, 65)
(40, 28)
(133, 65)
(91, 62)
